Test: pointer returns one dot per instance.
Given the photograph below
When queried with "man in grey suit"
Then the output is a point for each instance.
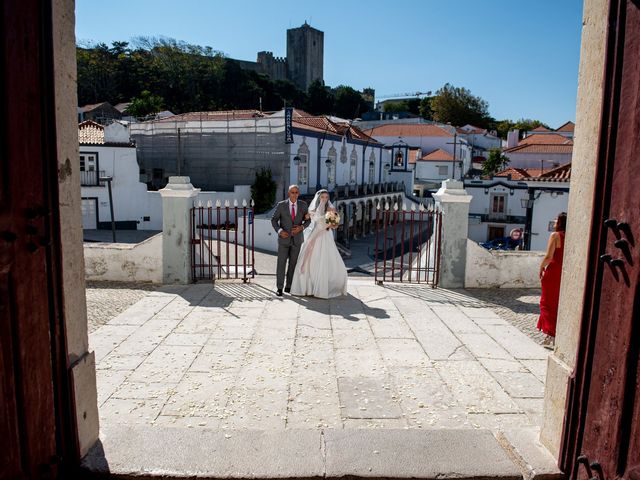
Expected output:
(289, 221)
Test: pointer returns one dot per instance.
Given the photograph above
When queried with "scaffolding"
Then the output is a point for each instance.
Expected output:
(216, 152)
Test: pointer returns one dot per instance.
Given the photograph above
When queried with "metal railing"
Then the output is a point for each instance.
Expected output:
(408, 245)
(222, 242)
(91, 178)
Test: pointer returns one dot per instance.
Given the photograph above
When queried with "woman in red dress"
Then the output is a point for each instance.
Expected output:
(550, 272)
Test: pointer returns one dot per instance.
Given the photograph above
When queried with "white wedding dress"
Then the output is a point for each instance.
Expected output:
(320, 271)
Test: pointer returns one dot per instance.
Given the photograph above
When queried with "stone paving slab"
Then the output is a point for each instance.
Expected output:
(416, 454)
(170, 452)
(237, 357)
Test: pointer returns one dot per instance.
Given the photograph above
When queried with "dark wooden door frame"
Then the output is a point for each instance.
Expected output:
(580, 380)
(66, 459)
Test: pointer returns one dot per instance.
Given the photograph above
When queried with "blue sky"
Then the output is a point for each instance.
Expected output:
(521, 57)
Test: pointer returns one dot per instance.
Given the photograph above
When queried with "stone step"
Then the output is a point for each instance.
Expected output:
(534, 460)
(161, 452)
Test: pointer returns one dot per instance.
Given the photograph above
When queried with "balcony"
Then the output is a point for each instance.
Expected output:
(91, 178)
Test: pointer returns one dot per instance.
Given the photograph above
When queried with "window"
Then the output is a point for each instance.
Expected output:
(331, 168)
(88, 162)
(303, 169)
(372, 167)
(443, 170)
(353, 166)
(498, 203)
(343, 152)
(399, 159)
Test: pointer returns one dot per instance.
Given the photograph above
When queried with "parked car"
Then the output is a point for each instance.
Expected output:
(501, 243)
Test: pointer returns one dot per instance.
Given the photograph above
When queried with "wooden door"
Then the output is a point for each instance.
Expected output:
(34, 392)
(602, 428)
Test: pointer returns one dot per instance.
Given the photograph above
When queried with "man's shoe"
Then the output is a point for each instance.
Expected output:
(279, 292)
(287, 289)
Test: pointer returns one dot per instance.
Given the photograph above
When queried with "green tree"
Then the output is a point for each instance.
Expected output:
(496, 162)
(349, 102)
(320, 99)
(146, 104)
(263, 190)
(456, 105)
(399, 106)
(425, 110)
(526, 124)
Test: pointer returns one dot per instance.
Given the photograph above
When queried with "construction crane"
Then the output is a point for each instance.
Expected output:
(404, 95)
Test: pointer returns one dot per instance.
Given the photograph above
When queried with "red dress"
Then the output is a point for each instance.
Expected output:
(551, 291)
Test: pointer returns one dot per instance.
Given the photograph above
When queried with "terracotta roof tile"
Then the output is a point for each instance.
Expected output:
(540, 149)
(92, 106)
(559, 174)
(323, 124)
(540, 128)
(437, 155)
(90, 132)
(413, 155)
(546, 139)
(567, 127)
(214, 115)
(514, 173)
(408, 130)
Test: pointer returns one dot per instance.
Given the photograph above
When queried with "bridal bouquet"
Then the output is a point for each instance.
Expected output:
(332, 219)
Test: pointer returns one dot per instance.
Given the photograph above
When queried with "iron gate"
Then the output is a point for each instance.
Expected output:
(222, 242)
(407, 244)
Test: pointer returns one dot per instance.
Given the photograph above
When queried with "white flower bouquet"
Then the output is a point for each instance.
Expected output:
(332, 219)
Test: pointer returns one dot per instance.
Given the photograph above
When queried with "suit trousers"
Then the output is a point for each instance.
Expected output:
(286, 253)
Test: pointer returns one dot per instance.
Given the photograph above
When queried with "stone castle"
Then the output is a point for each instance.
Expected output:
(303, 63)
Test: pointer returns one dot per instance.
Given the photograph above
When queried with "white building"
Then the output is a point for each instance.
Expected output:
(544, 151)
(515, 200)
(107, 152)
(428, 138)
(327, 154)
(480, 141)
(430, 170)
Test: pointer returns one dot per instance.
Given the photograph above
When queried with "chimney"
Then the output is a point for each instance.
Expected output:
(512, 138)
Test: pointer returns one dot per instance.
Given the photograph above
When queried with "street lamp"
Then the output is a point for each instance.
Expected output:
(296, 159)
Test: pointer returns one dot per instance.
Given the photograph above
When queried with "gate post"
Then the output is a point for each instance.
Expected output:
(177, 200)
(453, 201)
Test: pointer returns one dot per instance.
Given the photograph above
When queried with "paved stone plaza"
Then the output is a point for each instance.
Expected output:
(237, 357)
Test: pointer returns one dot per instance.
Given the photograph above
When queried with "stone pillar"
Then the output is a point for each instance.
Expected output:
(583, 172)
(452, 200)
(177, 200)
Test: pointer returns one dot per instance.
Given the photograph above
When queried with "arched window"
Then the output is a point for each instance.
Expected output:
(343, 151)
(303, 164)
(331, 167)
(353, 166)
(372, 167)
(399, 159)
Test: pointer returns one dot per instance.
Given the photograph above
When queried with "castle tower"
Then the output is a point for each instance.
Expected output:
(305, 55)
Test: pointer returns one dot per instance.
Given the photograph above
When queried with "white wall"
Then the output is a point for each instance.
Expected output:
(545, 210)
(537, 160)
(428, 170)
(130, 201)
(498, 269)
(483, 141)
(481, 202)
(342, 170)
(124, 262)
(428, 144)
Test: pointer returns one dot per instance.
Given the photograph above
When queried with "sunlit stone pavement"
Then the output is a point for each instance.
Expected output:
(238, 357)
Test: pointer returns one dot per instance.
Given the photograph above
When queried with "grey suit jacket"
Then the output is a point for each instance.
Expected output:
(281, 219)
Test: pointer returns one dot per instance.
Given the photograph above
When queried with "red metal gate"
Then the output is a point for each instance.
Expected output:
(222, 242)
(408, 245)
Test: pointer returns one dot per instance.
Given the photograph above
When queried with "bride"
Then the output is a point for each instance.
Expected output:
(320, 271)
